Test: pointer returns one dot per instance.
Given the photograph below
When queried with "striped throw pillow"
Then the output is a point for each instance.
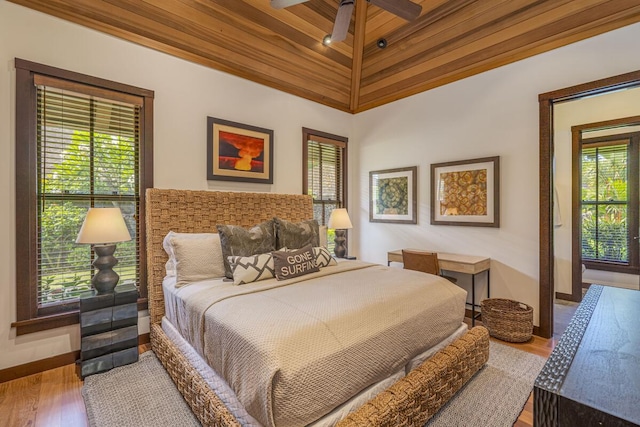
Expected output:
(247, 269)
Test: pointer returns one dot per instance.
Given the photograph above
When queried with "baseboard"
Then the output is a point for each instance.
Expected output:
(566, 297)
(144, 339)
(38, 366)
(42, 365)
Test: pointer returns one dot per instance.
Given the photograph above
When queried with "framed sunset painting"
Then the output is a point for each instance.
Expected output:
(239, 152)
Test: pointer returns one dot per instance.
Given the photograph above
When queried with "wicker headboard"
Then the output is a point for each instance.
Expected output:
(186, 211)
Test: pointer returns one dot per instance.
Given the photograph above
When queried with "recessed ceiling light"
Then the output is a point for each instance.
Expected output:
(326, 40)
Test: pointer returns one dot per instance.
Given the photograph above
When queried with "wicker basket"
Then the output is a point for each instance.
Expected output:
(507, 320)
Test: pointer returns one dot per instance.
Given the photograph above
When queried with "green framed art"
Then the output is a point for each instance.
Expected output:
(393, 195)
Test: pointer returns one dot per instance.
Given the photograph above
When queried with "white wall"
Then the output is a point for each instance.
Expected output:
(491, 114)
(610, 106)
(185, 94)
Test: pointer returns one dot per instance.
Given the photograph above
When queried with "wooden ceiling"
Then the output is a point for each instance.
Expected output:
(283, 49)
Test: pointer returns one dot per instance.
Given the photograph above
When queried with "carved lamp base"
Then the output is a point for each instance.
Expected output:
(341, 248)
(105, 280)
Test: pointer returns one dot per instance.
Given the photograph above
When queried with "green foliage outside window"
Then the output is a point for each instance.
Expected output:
(65, 197)
(605, 203)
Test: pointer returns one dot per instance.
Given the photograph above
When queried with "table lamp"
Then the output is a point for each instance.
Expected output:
(340, 222)
(103, 228)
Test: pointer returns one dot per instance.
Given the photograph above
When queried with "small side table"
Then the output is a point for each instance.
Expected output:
(108, 329)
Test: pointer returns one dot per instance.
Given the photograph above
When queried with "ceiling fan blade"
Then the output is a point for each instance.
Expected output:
(405, 9)
(281, 4)
(343, 19)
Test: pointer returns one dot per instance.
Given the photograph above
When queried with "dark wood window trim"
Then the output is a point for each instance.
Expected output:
(546, 102)
(633, 266)
(340, 141)
(28, 318)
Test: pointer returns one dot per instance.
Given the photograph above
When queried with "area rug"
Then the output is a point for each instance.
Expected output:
(496, 395)
(142, 394)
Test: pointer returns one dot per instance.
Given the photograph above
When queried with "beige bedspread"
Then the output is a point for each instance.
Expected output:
(293, 350)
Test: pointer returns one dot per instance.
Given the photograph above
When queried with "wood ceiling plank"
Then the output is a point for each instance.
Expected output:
(292, 30)
(473, 23)
(213, 54)
(445, 24)
(510, 30)
(492, 63)
(325, 8)
(451, 7)
(381, 23)
(217, 31)
(360, 19)
(491, 58)
(251, 27)
(452, 39)
(323, 26)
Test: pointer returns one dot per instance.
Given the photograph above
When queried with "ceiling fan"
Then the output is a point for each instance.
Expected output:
(405, 9)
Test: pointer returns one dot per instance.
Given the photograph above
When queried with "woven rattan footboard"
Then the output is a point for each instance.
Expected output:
(409, 402)
(417, 397)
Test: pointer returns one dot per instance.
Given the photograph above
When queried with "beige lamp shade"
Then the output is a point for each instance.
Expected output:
(339, 220)
(103, 225)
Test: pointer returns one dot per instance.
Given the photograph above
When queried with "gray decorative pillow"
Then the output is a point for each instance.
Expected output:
(323, 257)
(239, 241)
(296, 235)
(294, 263)
(247, 269)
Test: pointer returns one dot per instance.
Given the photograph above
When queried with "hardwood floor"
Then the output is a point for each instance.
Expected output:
(49, 399)
(53, 398)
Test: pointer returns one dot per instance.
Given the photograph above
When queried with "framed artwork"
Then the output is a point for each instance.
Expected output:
(466, 192)
(239, 152)
(393, 195)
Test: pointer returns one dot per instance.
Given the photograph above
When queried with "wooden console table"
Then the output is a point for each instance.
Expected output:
(467, 264)
(592, 376)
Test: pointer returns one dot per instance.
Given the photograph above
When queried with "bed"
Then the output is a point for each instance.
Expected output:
(397, 399)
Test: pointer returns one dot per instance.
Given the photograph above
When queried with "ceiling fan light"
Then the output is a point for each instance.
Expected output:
(326, 40)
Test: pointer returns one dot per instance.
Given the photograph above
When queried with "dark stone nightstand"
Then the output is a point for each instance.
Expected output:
(109, 329)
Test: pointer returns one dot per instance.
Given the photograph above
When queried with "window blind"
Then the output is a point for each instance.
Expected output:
(325, 178)
(605, 203)
(88, 151)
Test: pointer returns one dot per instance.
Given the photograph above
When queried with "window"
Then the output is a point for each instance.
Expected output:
(80, 142)
(609, 209)
(324, 174)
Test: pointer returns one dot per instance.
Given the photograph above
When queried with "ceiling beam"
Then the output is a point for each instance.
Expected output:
(358, 47)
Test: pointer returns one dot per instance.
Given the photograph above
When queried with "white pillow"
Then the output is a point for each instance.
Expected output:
(322, 231)
(193, 256)
(247, 269)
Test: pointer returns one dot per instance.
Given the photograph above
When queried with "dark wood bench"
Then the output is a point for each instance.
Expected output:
(592, 377)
